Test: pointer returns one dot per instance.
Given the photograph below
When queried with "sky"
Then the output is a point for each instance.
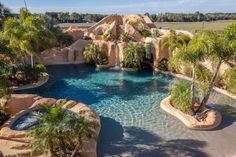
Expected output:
(123, 6)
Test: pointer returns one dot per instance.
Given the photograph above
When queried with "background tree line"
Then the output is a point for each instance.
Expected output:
(65, 17)
(191, 17)
(74, 17)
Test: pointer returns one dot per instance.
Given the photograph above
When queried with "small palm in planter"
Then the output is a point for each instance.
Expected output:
(133, 56)
(94, 54)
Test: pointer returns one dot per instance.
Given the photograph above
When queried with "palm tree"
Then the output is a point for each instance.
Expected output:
(221, 48)
(83, 130)
(193, 54)
(49, 133)
(58, 128)
(133, 55)
(28, 35)
(174, 41)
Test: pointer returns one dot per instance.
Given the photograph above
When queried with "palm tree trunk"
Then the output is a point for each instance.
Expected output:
(51, 149)
(210, 87)
(193, 87)
(32, 60)
(75, 150)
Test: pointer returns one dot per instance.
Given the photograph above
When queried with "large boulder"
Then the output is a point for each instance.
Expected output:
(19, 102)
(136, 36)
(53, 56)
(76, 51)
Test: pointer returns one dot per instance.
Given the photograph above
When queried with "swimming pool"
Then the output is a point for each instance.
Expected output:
(132, 122)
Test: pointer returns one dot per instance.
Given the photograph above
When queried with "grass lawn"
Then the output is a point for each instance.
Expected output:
(195, 26)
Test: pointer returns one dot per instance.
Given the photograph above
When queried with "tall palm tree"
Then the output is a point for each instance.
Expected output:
(221, 48)
(28, 35)
(193, 54)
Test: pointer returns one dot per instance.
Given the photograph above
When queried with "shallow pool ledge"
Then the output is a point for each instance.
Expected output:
(212, 120)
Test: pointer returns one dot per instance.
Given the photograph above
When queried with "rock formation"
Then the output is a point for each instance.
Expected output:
(104, 34)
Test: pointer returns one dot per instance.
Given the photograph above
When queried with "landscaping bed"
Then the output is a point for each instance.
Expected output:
(211, 120)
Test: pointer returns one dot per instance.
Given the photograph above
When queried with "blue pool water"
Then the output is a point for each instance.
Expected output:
(129, 106)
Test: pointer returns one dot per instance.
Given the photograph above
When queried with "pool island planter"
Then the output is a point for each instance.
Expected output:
(41, 81)
(17, 142)
(213, 118)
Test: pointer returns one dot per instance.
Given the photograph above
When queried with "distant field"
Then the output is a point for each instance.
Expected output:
(195, 26)
(189, 26)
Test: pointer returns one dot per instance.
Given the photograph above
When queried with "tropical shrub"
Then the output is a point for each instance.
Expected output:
(230, 80)
(94, 53)
(27, 35)
(5, 93)
(133, 55)
(5, 90)
(155, 33)
(125, 37)
(108, 36)
(145, 32)
(102, 59)
(163, 65)
(57, 129)
(28, 73)
(181, 95)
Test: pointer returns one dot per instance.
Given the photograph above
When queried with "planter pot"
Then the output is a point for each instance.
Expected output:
(212, 118)
(129, 69)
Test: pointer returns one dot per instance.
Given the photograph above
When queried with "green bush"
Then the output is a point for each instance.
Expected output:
(93, 53)
(40, 68)
(5, 90)
(108, 36)
(230, 80)
(133, 55)
(32, 73)
(155, 33)
(125, 37)
(145, 33)
(181, 95)
(102, 59)
(163, 65)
